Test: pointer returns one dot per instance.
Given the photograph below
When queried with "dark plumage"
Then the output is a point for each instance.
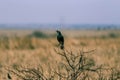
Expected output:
(60, 39)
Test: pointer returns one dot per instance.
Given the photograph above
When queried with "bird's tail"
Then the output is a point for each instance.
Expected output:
(62, 46)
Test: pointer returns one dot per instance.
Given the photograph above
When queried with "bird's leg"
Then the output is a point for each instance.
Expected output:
(59, 44)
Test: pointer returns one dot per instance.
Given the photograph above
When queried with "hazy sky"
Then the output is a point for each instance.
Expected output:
(57, 11)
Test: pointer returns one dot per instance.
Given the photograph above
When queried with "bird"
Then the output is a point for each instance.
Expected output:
(60, 39)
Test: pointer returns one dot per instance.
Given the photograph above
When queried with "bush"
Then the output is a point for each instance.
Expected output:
(113, 35)
(72, 67)
(39, 34)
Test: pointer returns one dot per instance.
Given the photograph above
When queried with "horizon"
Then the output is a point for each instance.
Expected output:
(60, 12)
(59, 26)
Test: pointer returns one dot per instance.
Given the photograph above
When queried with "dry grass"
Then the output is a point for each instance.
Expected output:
(18, 49)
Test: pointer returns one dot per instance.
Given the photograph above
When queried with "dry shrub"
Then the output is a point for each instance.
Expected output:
(74, 66)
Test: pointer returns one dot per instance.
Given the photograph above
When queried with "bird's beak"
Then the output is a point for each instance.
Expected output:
(57, 31)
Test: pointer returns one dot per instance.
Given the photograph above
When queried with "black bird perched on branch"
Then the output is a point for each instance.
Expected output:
(60, 39)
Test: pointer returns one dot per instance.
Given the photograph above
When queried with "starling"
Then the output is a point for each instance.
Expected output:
(60, 39)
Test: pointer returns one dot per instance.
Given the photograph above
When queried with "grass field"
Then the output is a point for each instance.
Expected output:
(31, 48)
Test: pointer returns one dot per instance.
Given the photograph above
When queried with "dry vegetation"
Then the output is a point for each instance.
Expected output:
(35, 55)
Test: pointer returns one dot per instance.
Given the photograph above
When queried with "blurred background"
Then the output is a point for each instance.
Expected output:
(54, 13)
